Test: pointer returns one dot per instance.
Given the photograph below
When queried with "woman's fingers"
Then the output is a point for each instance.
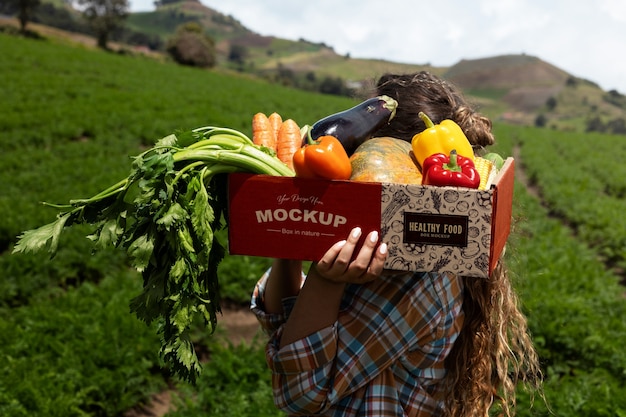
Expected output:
(345, 255)
(336, 259)
(363, 258)
(378, 261)
(369, 262)
(340, 264)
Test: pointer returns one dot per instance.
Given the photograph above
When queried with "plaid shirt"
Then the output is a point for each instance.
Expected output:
(383, 357)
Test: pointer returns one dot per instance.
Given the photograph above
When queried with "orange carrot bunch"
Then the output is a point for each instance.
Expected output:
(283, 137)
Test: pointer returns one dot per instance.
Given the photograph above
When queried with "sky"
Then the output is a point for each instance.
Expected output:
(586, 39)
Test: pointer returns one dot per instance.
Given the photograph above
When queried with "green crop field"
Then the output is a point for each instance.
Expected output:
(71, 119)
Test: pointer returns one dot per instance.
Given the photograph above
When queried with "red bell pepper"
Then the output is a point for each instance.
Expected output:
(454, 170)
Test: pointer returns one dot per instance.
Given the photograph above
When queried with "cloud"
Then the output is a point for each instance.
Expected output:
(614, 9)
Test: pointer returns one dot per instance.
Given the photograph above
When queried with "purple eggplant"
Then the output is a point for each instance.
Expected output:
(357, 124)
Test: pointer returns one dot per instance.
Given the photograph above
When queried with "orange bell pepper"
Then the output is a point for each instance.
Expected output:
(323, 158)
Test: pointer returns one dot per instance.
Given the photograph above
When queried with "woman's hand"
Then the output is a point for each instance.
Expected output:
(337, 264)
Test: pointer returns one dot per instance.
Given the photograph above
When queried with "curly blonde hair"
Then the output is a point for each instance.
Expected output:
(494, 351)
(439, 99)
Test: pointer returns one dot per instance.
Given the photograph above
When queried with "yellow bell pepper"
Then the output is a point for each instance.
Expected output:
(441, 138)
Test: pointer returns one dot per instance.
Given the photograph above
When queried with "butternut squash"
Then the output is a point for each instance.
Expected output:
(385, 159)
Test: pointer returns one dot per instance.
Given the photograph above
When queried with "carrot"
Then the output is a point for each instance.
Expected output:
(276, 121)
(289, 141)
(262, 132)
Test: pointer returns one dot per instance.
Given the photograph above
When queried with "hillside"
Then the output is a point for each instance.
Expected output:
(525, 81)
(519, 89)
(262, 53)
(520, 85)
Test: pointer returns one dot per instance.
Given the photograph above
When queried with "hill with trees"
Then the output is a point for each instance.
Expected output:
(519, 89)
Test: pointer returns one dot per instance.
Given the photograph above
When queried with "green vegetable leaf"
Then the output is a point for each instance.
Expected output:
(202, 215)
(182, 354)
(169, 140)
(107, 234)
(140, 252)
(34, 240)
(174, 216)
(179, 270)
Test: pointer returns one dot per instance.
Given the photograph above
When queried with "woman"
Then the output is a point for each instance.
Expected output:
(352, 339)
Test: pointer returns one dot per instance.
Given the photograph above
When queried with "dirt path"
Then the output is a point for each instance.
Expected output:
(75, 38)
(239, 325)
(520, 174)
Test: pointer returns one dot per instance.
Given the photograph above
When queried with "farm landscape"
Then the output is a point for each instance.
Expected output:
(71, 118)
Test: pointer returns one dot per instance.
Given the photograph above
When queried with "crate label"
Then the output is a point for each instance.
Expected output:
(435, 229)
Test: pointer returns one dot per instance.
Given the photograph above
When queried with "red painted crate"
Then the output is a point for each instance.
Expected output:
(427, 228)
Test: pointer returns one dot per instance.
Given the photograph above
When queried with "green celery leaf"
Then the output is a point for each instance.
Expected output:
(181, 354)
(157, 164)
(186, 138)
(34, 240)
(185, 239)
(175, 215)
(148, 305)
(107, 234)
(183, 314)
(179, 270)
(140, 252)
(169, 140)
(202, 216)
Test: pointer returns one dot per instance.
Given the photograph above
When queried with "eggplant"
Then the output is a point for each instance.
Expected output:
(357, 124)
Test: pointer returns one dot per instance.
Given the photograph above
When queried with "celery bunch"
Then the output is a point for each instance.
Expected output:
(165, 215)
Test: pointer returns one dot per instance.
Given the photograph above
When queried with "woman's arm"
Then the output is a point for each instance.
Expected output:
(319, 299)
(284, 281)
(302, 354)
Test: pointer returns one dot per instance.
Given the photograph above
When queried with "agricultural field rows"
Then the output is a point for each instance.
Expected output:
(70, 119)
(583, 181)
(575, 302)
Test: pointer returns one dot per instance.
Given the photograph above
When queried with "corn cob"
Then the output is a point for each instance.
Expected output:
(486, 170)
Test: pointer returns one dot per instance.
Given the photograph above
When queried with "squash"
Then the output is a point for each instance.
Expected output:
(385, 159)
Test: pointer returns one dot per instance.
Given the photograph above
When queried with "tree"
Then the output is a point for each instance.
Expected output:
(104, 16)
(541, 120)
(191, 46)
(335, 86)
(24, 8)
(238, 54)
(617, 126)
(595, 124)
(615, 98)
(571, 81)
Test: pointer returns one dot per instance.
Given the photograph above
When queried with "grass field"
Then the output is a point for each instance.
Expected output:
(70, 118)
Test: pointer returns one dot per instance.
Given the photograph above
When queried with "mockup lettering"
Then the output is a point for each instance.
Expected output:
(299, 215)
